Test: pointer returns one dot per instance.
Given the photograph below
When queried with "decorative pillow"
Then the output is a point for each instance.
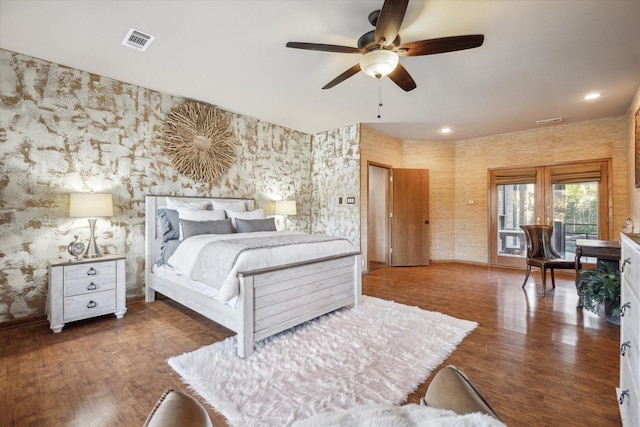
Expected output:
(257, 214)
(229, 205)
(198, 215)
(252, 225)
(194, 228)
(170, 223)
(175, 204)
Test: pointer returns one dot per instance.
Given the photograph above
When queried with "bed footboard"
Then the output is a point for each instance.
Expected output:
(276, 299)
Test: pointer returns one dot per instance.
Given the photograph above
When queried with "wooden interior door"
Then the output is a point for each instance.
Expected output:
(410, 217)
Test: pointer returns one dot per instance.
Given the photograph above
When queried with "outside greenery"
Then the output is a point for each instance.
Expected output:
(576, 206)
(575, 215)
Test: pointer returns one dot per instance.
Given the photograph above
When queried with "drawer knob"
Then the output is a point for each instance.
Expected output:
(623, 348)
(625, 262)
(92, 304)
(624, 308)
(92, 272)
(622, 396)
(92, 286)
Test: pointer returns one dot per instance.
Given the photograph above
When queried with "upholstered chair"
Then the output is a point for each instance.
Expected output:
(541, 254)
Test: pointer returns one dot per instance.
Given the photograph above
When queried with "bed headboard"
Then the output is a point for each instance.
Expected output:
(153, 229)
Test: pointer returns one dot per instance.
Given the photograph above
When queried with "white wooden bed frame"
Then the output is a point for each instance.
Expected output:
(270, 300)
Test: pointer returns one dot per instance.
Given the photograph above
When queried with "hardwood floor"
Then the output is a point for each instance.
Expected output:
(538, 361)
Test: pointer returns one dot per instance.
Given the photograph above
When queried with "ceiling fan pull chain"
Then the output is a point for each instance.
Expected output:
(379, 96)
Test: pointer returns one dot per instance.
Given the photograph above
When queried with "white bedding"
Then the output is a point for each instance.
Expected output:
(186, 255)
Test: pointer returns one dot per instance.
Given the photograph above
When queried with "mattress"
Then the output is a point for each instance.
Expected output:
(185, 259)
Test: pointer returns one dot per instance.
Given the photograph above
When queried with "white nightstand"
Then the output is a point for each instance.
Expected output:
(86, 288)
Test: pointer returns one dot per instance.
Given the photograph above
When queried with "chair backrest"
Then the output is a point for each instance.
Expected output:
(539, 241)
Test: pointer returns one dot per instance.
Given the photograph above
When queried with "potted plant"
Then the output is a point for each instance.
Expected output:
(599, 288)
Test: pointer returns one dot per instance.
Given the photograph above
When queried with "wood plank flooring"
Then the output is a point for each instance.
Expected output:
(538, 361)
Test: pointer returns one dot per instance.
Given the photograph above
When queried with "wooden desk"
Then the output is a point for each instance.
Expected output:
(603, 250)
(607, 252)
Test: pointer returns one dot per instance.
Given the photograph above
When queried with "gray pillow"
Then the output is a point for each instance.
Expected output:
(194, 228)
(170, 224)
(251, 225)
(166, 250)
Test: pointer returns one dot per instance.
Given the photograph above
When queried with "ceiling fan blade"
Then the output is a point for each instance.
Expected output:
(324, 47)
(441, 45)
(342, 77)
(390, 20)
(401, 77)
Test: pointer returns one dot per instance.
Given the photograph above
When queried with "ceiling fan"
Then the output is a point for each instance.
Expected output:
(381, 48)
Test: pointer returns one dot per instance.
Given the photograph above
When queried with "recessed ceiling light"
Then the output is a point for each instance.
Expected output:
(591, 96)
(445, 130)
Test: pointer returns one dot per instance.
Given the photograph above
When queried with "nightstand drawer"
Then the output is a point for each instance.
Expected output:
(89, 285)
(81, 306)
(89, 270)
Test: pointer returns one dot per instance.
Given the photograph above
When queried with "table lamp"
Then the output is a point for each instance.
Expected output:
(91, 206)
(286, 208)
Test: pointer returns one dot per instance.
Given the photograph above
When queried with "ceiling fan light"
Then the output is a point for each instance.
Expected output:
(379, 63)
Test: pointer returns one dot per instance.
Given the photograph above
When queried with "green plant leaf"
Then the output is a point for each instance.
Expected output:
(597, 285)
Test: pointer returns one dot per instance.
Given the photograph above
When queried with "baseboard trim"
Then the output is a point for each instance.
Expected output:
(42, 318)
(455, 261)
(135, 300)
(25, 321)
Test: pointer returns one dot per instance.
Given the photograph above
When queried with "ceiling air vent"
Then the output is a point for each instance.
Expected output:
(548, 121)
(138, 40)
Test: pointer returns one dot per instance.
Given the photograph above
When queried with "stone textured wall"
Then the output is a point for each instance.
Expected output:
(336, 173)
(63, 130)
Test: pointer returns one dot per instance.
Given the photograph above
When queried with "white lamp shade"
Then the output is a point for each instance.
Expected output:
(90, 205)
(286, 207)
(379, 63)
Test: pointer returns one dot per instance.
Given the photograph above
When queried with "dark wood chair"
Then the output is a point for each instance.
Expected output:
(541, 254)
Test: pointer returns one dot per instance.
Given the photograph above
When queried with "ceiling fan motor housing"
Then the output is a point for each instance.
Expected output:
(368, 42)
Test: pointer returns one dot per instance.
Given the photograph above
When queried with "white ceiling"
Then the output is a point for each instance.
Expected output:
(538, 60)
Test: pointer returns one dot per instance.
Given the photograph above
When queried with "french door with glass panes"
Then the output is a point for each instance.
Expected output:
(574, 198)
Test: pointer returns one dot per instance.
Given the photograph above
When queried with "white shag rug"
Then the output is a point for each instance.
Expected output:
(410, 415)
(378, 352)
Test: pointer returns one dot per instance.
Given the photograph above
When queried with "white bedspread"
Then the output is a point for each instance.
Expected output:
(185, 257)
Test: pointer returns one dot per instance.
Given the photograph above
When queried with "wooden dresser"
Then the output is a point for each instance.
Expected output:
(629, 391)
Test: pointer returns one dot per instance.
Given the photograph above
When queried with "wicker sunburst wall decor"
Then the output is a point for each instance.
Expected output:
(199, 141)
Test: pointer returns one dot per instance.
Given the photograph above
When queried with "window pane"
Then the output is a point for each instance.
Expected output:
(575, 216)
(516, 203)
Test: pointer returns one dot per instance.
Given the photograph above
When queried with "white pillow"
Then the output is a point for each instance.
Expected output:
(257, 214)
(175, 204)
(198, 215)
(229, 205)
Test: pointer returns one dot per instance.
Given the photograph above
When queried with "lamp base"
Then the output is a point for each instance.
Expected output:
(93, 250)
